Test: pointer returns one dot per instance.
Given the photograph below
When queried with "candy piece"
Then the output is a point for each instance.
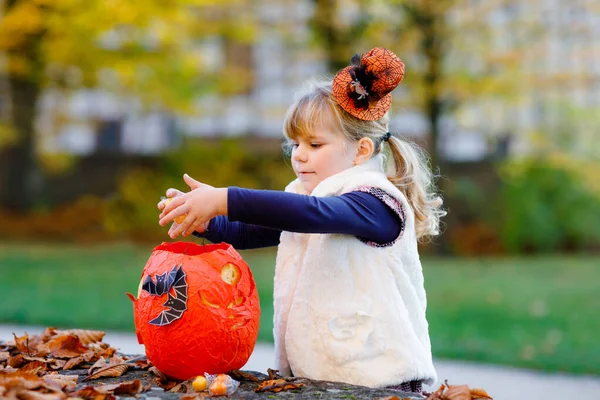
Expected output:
(179, 219)
(200, 384)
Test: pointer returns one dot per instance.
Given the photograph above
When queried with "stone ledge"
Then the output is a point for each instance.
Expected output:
(312, 390)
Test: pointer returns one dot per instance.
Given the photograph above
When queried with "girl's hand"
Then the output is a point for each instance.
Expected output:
(170, 194)
(199, 206)
(162, 204)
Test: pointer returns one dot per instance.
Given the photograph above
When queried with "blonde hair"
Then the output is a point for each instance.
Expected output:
(411, 173)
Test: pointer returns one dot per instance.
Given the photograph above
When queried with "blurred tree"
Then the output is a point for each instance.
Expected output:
(338, 27)
(458, 54)
(148, 50)
(448, 46)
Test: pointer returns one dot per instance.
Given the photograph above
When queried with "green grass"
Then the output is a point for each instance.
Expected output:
(71, 286)
(531, 312)
(540, 312)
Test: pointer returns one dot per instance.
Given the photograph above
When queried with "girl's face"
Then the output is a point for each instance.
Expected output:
(322, 154)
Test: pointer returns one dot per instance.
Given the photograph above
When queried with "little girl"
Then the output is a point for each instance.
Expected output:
(348, 292)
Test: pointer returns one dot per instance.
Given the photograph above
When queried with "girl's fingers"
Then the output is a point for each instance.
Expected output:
(171, 192)
(167, 216)
(192, 183)
(198, 227)
(172, 228)
(171, 204)
(183, 227)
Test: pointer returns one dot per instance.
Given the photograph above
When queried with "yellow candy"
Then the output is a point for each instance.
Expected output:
(199, 383)
(179, 219)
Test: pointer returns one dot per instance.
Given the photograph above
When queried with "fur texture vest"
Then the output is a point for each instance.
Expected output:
(348, 310)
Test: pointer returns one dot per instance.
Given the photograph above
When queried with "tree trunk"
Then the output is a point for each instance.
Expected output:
(433, 102)
(338, 41)
(324, 24)
(18, 189)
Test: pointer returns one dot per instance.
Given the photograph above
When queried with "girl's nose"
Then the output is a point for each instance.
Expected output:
(299, 154)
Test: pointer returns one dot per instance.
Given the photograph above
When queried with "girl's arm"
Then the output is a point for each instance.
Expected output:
(239, 235)
(355, 213)
(370, 216)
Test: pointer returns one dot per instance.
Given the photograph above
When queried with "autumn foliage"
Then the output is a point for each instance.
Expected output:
(39, 366)
(64, 364)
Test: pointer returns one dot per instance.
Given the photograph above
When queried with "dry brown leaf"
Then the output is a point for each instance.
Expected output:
(16, 361)
(116, 360)
(480, 394)
(438, 394)
(182, 387)
(63, 346)
(84, 335)
(457, 392)
(55, 363)
(161, 379)
(142, 364)
(109, 371)
(101, 363)
(34, 367)
(273, 374)
(22, 344)
(25, 394)
(62, 382)
(20, 379)
(42, 359)
(75, 361)
(277, 385)
(242, 376)
(166, 385)
(35, 340)
(103, 349)
(129, 388)
(158, 374)
(123, 388)
(90, 392)
(48, 333)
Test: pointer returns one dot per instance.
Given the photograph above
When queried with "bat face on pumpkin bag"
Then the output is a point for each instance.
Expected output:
(197, 309)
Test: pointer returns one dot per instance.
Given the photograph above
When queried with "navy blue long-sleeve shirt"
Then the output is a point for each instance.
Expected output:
(257, 217)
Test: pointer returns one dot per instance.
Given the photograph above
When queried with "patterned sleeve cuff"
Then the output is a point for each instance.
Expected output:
(393, 204)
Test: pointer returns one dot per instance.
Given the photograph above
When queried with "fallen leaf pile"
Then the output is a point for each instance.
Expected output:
(457, 392)
(38, 366)
(51, 365)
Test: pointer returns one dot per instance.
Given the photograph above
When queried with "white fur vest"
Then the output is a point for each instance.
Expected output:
(349, 311)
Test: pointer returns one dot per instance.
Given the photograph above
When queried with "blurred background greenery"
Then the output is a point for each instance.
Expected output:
(104, 105)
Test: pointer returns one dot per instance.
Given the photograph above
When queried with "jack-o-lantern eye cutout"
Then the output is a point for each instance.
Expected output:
(231, 274)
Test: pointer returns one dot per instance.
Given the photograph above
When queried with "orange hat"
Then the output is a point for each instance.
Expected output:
(364, 88)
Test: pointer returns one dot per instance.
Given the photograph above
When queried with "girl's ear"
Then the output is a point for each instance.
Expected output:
(364, 151)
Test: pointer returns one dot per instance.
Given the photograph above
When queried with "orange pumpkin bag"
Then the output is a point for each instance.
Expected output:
(197, 309)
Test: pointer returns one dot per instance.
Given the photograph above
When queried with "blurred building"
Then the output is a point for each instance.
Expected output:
(558, 80)
(97, 121)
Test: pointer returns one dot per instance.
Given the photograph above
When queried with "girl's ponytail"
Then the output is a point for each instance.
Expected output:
(414, 178)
